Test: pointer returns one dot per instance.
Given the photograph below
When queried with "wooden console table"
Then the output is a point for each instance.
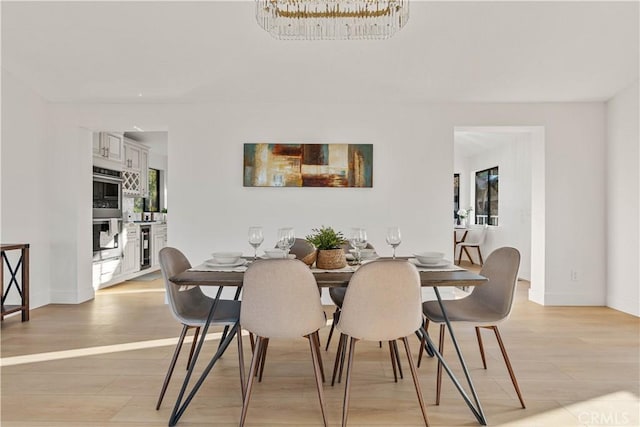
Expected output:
(22, 286)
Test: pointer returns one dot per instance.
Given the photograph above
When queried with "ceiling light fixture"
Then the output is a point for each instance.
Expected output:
(332, 19)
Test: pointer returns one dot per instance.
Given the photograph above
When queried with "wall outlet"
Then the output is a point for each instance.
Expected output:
(574, 276)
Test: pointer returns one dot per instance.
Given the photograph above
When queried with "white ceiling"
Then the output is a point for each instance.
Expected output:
(215, 51)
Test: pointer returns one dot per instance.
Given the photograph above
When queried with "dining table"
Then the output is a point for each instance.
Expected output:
(432, 277)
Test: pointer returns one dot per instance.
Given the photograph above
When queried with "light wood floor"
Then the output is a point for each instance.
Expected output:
(102, 364)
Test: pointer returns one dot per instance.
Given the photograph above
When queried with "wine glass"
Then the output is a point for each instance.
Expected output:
(286, 239)
(255, 239)
(358, 239)
(394, 238)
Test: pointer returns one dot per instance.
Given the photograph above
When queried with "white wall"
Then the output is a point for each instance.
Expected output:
(413, 163)
(513, 157)
(622, 202)
(27, 188)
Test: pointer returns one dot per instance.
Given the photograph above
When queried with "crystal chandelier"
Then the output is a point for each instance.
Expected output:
(332, 19)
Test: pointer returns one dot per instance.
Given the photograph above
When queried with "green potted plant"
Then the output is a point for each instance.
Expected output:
(328, 243)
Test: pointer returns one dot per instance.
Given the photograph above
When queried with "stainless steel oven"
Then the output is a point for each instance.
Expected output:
(107, 193)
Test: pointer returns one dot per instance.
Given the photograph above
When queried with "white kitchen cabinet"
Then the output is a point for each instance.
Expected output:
(135, 167)
(108, 146)
(131, 155)
(106, 270)
(158, 241)
(131, 250)
(144, 173)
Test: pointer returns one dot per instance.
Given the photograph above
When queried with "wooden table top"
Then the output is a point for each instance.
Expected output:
(327, 279)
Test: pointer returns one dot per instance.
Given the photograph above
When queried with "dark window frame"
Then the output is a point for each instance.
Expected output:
(145, 200)
(490, 215)
(456, 195)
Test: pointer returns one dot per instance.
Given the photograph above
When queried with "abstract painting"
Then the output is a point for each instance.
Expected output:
(308, 165)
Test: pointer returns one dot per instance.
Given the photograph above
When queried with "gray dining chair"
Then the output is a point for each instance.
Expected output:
(304, 251)
(475, 242)
(280, 300)
(190, 307)
(370, 312)
(488, 305)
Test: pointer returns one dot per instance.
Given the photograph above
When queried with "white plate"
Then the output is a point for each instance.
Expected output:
(442, 263)
(291, 256)
(212, 263)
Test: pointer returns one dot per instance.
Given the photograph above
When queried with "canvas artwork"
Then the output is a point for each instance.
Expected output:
(308, 165)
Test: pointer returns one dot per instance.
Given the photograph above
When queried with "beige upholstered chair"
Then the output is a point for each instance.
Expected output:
(382, 303)
(337, 297)
(280, 300)
(486, 306)
(477, 239)
(190, 307)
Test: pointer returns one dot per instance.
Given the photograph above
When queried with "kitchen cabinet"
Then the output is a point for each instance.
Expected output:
(108, 146)
(131, 250)
(105, 271)
(135, 167)
(158, 241)
(144, 170)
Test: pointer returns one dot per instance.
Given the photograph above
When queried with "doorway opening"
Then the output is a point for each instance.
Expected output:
(500, 172)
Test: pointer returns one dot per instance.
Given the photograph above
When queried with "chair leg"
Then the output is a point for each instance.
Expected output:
(395, 348)
(466, 251)
(342, 357)
(342, 345)
(459, 257)
(315, 357)
(347, 383)
(193, 345)
(263, 358)
(416, 382)
(253, 344)
(257, 354)
(172, 365)
(423, 342)
(480, 255)
(336, 317)
(484, 361)
(241, 361)
(393, 362)
(441, 350)
(316, 340)
(509, 368)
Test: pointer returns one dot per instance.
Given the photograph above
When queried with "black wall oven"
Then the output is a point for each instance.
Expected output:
(107, 239)
(107, 193)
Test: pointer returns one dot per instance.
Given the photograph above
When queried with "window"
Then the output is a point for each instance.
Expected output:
(456, 194)
(487, 196)
(152, 202)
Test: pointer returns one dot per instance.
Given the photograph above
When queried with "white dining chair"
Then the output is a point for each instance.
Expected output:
(476, 240)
